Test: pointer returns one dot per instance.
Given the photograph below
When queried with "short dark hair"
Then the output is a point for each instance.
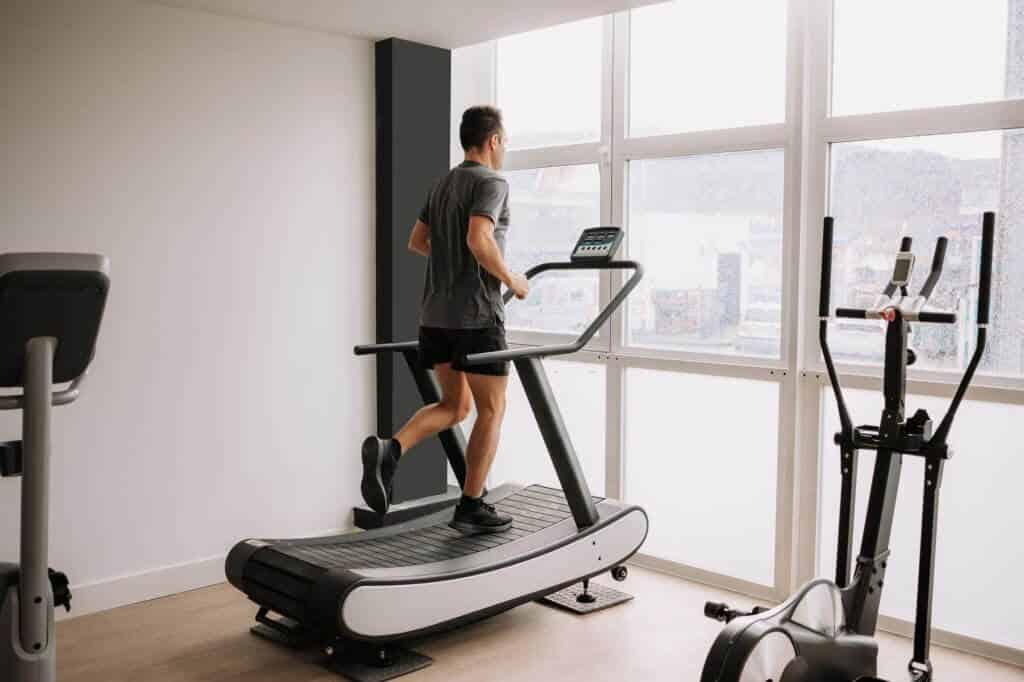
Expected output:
(478, 124)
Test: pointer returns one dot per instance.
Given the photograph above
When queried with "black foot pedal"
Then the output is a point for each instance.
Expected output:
(282, 630)
(580, 599)
(367, 663)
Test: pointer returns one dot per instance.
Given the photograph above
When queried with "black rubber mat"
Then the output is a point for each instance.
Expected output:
(533, 509)
(568, 599)
(400, 662)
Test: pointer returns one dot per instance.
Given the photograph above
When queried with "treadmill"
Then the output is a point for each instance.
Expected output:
(420, 576)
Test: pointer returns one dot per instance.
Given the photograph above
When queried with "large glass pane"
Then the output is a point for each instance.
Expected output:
(921, 53)
(926, 187)
(579, 388)
(550, 207)
(978, 555)
(549, 85)
(708, 230)
(698, 66)
(708, 483)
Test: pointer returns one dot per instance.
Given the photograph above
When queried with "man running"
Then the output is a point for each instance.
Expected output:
(461, 231)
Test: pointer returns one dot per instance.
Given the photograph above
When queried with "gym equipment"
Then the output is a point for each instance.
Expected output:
(51, 305)
(354, 593)
(825, 632)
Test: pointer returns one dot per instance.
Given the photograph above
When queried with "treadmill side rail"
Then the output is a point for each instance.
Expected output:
(383, 611)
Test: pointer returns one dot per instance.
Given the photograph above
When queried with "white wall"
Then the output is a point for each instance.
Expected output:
(226, 168)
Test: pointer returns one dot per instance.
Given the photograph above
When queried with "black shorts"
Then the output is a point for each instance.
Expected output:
(438, 346)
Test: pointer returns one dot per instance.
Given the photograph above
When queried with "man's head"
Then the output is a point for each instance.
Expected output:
(482, 135)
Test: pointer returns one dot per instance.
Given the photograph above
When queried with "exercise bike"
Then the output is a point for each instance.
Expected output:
(825, 632)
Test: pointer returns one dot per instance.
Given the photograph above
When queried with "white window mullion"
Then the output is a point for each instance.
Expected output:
(751, 138)
(962, 118)
(817, 53)
(546, 157)
(616, 48)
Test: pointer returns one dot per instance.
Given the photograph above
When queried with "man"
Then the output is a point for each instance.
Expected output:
(461, 231)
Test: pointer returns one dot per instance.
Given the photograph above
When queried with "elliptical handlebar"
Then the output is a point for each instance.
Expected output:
(908, 315)
(988, 236)
(826, 268)
(937, 259)
(913, 312)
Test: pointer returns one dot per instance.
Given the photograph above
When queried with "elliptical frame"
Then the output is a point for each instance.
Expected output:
(841, 645)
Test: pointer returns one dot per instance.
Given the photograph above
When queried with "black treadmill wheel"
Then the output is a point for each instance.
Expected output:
(620, 573)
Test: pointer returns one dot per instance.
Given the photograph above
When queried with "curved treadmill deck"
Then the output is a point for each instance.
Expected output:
(421, 576)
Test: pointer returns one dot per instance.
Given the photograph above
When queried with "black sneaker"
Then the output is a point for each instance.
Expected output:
(476, 516)
(379, 463)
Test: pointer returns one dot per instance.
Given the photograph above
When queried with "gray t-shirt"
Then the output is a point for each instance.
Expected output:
(457, 292)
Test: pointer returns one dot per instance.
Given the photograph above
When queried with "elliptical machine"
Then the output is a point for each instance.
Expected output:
(825, 632)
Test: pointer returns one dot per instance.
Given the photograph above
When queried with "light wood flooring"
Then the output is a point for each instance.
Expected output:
(660, 635)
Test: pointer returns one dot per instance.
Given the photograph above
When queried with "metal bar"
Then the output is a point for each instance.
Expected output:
(62, 397)
(926, 565)
(867, 593)
(34, 582)
(556, 438)
(588, 333)
(378, 348)
(847, 507)
(452, 440)
(933, 277)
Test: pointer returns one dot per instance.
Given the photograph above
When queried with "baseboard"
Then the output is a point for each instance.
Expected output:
(139, 587)
(129, 589)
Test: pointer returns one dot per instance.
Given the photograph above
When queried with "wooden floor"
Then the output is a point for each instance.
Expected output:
(661, 635)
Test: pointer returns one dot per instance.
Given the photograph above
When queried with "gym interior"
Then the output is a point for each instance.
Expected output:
(760, 415)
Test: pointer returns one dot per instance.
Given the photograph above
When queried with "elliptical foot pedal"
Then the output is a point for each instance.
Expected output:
(360, 662)
(583, 600)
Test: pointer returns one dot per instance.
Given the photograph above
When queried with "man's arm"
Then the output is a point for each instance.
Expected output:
(419, 239)
(483, 246)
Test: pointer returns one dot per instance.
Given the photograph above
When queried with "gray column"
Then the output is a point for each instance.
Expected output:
(413, 99)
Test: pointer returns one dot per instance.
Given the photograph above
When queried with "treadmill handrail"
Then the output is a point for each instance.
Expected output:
(588, 333)
(381, 348)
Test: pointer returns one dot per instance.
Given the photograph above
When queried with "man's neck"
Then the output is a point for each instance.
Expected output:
(477, 157)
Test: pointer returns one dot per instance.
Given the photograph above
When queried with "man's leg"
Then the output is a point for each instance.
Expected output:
(436, 417)
(473, 515)
(489, 397)
(380, 455)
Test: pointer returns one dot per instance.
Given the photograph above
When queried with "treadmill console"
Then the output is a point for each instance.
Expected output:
(597, 245)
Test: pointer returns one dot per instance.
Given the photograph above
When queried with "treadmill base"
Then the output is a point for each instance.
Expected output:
(567, 599)
(366, 663)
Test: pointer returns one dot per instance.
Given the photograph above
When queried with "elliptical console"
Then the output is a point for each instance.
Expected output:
(825, 632)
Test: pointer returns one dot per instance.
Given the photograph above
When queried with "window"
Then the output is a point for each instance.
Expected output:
(979, 513)
(579, 388)
(549, 85)
(928, 187)
(549, 208)
(708, 230)
(694, 66)
(920, 53)
(699, 479)
(717, 135)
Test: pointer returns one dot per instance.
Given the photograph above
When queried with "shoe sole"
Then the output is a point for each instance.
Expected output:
(374, 493)
(474, 529)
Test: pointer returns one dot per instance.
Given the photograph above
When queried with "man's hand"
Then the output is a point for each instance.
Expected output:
(518, 285)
